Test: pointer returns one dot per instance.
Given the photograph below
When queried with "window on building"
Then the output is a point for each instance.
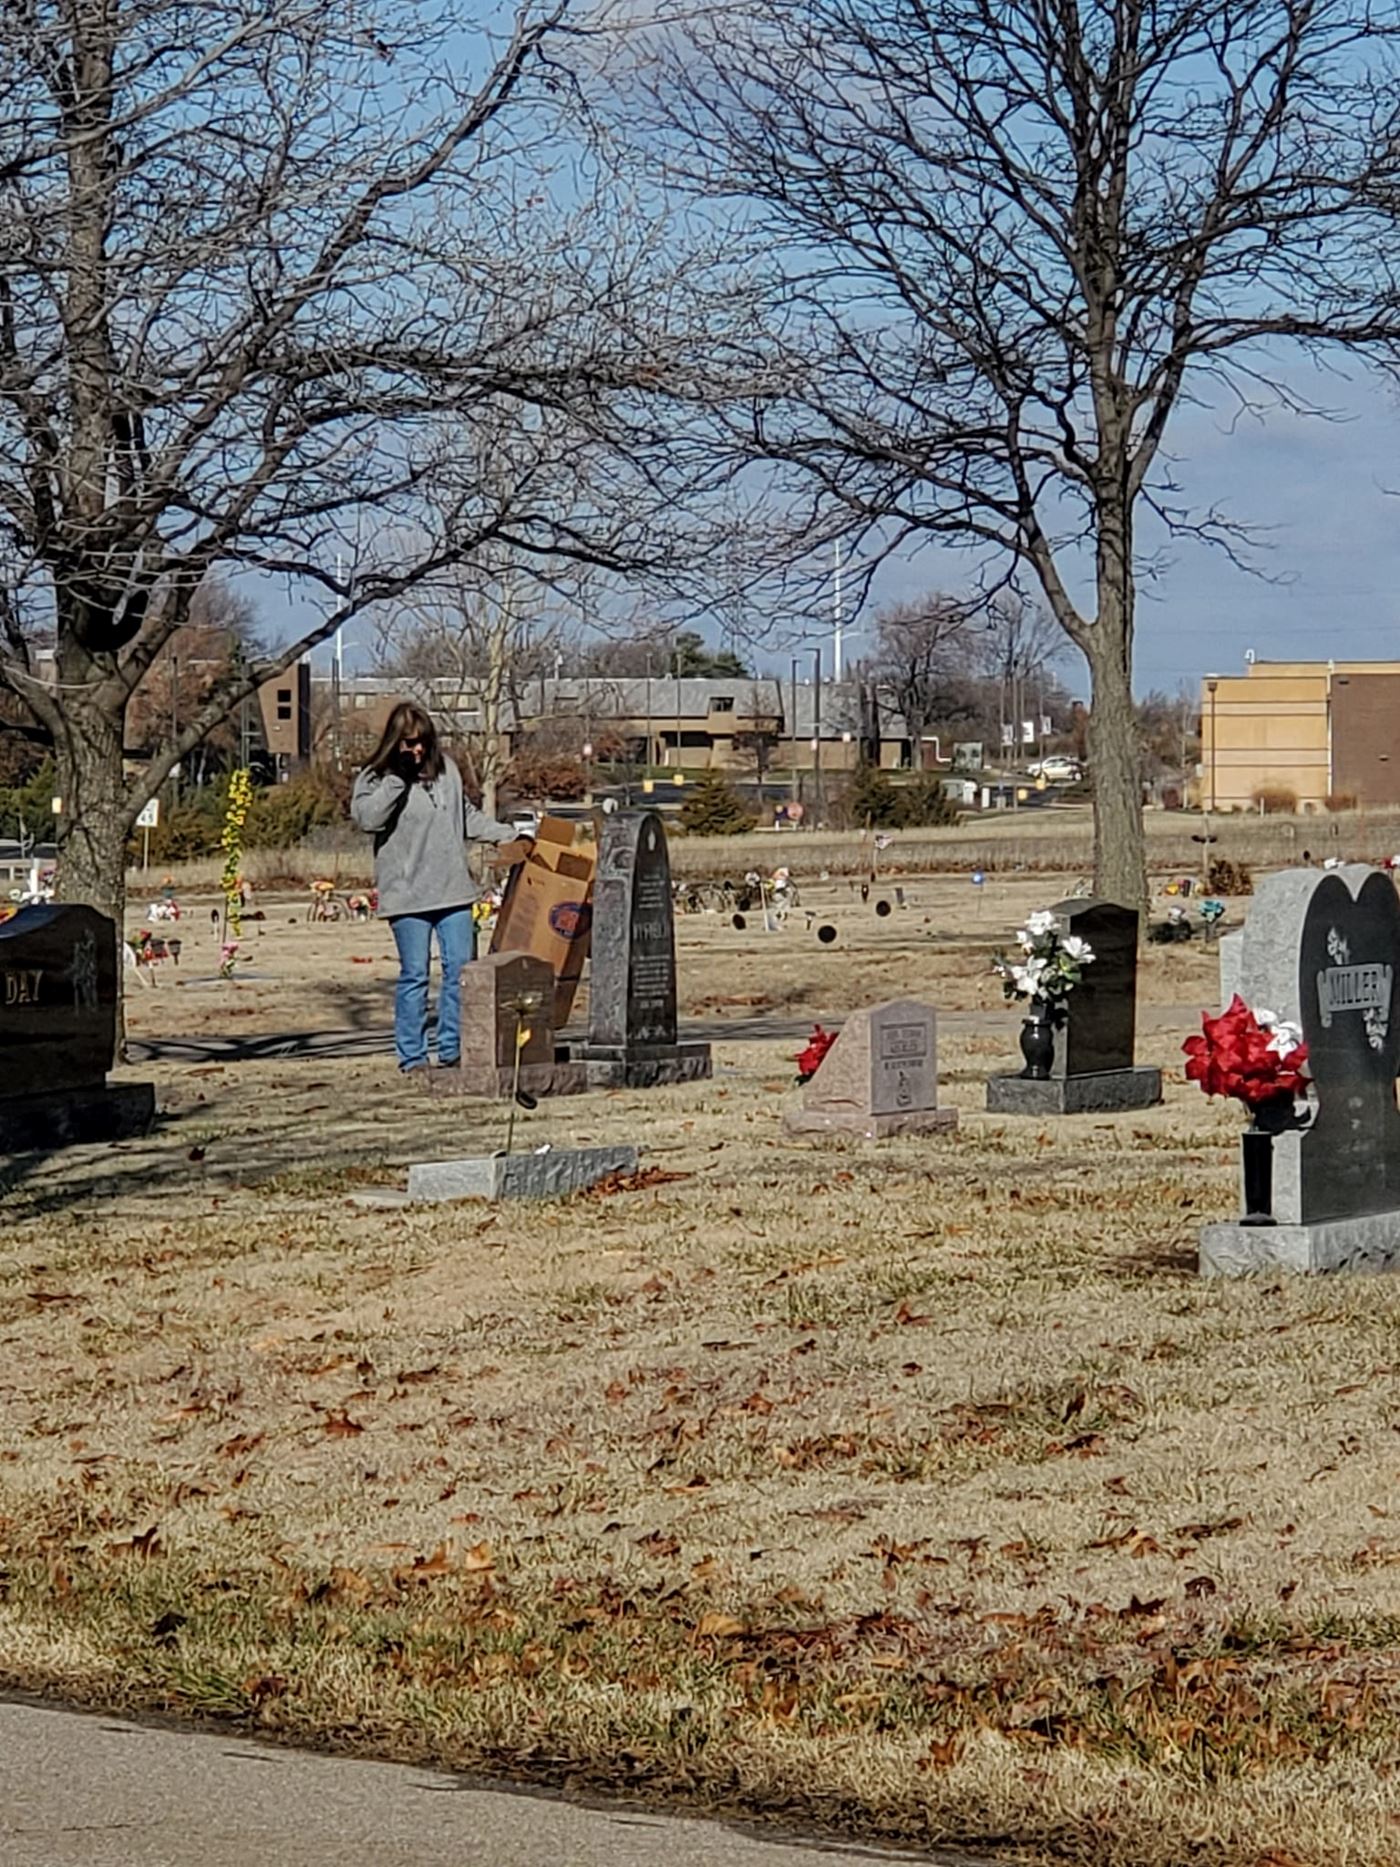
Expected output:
(284, 703)
(723, 703)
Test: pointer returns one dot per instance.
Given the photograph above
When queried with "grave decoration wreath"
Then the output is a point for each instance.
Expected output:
(1049, 967)
(1047, 970)
(240, 799)
(1255, 1056)
(1259, 1059)
(808, 1061)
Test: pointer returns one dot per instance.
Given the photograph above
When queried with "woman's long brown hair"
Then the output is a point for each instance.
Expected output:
(408, 721)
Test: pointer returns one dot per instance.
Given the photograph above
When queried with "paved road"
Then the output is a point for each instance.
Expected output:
(88, 1791)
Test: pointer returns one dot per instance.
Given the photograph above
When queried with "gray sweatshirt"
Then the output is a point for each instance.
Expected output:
(420, 855)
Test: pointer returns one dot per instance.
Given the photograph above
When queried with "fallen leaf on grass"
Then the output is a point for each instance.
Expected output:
(240, 1446)
(632, 1182)
(943, 1753)
(341, 1426)
(659, 1543)
(1198, 1532)
(145, 1545)
(718, 1626)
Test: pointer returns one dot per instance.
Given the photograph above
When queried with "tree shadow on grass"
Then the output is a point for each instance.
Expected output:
(43, 1182)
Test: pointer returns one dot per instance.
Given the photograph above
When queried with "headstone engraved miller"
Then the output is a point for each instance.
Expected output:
(632, 1039)
(58, 1033)
(1323, 951)
(879, 1078)
(1094, 1069)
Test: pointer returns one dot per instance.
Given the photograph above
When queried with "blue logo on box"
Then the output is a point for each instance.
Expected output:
(570, 919)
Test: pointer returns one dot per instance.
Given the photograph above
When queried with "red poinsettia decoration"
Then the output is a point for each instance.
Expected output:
(1255, 1058)
(809, 1060)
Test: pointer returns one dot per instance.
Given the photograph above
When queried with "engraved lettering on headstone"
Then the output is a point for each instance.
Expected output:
(1355, 988)
(84, 973)
(22, 986)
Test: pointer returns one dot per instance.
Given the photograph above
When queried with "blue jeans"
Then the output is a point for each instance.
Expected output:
(413, 936)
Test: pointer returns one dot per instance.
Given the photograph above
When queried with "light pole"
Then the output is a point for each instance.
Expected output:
(792, 730)
(1211, 684)
(817, 798)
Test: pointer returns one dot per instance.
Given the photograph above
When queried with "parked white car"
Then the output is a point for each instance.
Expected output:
(1058, 768)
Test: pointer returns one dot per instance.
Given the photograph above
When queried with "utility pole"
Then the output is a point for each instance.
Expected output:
(337, 671)
(817, 799)
(646, 773)
(174, 725)
(838, 620)
(792, 733)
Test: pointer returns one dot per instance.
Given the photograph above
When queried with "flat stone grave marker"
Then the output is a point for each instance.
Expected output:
(632, 1034)
(554, 1174)
(58, 1032)
(879, 1078)
(503, 995)
(1323, 950)
(1094, 1069)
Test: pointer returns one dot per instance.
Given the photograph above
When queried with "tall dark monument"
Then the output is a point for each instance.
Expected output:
(58, 1033)
(632, 1038)
(1094, 1068)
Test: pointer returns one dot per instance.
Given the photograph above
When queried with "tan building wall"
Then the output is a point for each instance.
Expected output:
(1297, 726)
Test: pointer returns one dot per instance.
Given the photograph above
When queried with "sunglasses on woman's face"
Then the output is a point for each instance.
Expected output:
(410, 745)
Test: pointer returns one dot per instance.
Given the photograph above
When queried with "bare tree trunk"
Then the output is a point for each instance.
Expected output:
(93, 822)
(1120, 849)
(492, 689)
(94, 819)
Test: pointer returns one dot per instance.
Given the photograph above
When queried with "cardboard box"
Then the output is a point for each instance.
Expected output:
(548, 908)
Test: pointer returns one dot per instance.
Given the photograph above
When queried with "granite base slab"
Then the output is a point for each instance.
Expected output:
(869, 1127)
(563, 1170)
(1371, 1243)
(536, 1079)
(76, 1117)
(687, 1063)
(1097, 1093)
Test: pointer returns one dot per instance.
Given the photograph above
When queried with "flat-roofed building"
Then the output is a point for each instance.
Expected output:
(1317, 729)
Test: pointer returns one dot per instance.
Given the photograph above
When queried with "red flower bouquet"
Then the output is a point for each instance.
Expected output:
(809, 1060)
(1255, 1057)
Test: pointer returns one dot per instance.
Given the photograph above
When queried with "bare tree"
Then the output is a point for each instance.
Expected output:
(257, 258)
(922, 648)
(1004, 243)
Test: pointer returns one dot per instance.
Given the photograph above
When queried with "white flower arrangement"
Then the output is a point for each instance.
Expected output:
(1050, 965)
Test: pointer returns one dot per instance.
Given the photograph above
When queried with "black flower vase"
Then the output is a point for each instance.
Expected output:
(1257, 1157)
(1038, 1042)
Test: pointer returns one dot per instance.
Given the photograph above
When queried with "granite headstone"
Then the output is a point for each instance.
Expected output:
(1323, 951)
(508, 998)
(632, 1032)
(58, 1032)
(1094, 1068)
(879, 1078)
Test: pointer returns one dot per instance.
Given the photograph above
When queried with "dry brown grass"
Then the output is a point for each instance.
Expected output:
(919, 1490)
(1003, 843)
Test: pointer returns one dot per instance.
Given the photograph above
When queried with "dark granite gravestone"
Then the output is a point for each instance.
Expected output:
(1093, 1070)
(58, 1032)
(1349, 995)
(632, 1040)
(1323, 951)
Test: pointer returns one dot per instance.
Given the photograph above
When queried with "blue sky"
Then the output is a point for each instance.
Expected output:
(1326, 495)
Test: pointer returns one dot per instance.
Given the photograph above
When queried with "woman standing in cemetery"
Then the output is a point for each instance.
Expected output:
(409, 798)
